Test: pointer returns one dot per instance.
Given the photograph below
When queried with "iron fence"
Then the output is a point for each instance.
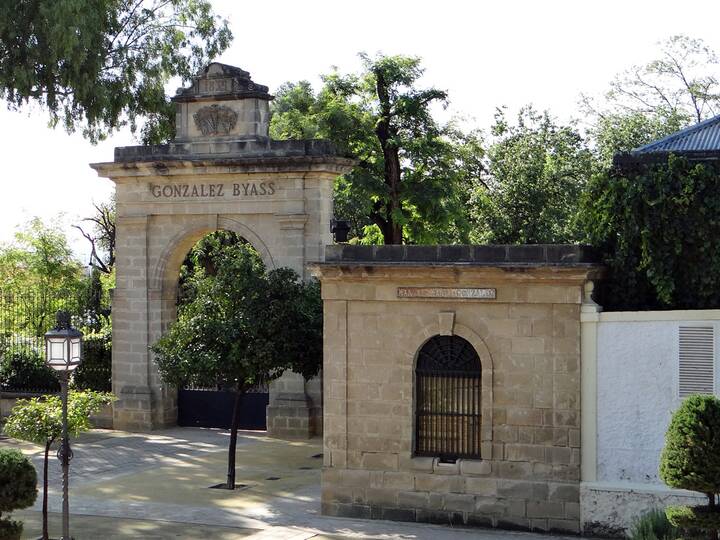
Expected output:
(24, 319)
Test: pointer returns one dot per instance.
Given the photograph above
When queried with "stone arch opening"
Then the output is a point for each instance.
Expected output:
(167, 271)
(213, 405)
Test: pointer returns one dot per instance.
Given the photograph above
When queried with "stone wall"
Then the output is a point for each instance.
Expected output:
(528, 341)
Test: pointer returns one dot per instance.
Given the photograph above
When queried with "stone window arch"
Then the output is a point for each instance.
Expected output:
(448, 399)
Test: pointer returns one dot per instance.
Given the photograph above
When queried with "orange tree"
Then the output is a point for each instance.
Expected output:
(242, 327)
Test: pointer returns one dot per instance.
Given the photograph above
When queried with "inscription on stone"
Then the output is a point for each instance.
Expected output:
(215, 85)
(179, 191)
(445, 292)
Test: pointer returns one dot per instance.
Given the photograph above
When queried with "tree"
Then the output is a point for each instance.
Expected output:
(39, 420)
(241, 327)
(19, 489)
(690, 460)
(101, 64)
(413, 173)
(623, 132)
(681, 83)
(536, 171)
(102, 237)
(38, 275)
(39, 260)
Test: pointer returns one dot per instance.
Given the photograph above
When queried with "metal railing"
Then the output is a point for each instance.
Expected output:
(448, 389)
(24, 319)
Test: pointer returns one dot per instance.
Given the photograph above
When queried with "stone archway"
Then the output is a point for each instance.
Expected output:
(221, 172)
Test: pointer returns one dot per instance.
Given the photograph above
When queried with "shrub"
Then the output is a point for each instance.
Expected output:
(654, 525)
(95, 371)
(22, 367)
(694, 517)
(10, 530)
(39, 420)
(691, 456)
(691, 460)
(18, 489)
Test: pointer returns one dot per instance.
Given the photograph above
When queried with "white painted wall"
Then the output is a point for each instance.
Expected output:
(630, 390)
(637, 389)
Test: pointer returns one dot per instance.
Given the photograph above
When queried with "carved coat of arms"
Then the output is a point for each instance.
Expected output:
(215, 120)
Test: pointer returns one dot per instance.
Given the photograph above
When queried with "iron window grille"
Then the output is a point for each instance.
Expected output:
(447, 407)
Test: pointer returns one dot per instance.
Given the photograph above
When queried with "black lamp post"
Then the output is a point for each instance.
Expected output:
(63, 353)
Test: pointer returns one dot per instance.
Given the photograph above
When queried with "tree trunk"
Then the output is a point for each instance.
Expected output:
(45, 534)
(386, 134)
(233, 439)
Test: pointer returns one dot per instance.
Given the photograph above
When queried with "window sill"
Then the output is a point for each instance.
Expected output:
(464, 466)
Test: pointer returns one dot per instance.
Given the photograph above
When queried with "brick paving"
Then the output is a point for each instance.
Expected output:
(155, 486)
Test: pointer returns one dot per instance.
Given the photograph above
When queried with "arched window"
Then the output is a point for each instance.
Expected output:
(447, 399)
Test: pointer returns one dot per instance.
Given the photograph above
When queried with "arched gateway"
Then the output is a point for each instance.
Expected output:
(221, 172)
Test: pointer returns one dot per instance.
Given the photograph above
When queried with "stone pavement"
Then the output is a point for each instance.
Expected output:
(157, 486)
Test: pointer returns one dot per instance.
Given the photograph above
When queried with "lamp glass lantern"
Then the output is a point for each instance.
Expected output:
(63, 345)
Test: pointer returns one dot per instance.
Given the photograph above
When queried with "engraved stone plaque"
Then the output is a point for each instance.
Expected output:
(215, 120)
(446, 292)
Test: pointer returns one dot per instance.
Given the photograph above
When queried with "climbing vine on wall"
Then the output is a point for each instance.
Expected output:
(658, 224)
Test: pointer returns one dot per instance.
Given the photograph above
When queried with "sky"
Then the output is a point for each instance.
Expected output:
(484, 54)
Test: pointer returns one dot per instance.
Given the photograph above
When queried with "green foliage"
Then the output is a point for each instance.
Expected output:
(18, 487)
(100, 64)
(202, 260)
(623, 132)
(537, 170)
(694, 517)
(691, 456)
(22, 367)
(40, 261)
(413, 173)
(39, 420)
(40, 276)
(242, 327)
(653, 525)
(10, 530)
(659, 229)
(95, 371)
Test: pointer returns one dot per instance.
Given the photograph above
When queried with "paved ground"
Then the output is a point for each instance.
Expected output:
(157, 486)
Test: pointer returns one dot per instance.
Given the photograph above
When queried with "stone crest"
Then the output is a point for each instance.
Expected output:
(215, 120)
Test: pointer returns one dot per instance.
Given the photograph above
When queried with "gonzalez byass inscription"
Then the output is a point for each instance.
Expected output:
(175, 191)
(445, 292)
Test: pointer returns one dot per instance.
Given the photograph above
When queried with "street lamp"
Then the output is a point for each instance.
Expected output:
(63, 353)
